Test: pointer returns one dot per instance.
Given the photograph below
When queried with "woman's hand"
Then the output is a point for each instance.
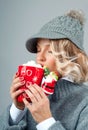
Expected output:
(40, 107)
(15, 91)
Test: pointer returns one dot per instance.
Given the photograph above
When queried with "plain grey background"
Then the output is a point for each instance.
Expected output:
(19, 19)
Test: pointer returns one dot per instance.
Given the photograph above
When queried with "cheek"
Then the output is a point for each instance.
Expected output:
(51, 64)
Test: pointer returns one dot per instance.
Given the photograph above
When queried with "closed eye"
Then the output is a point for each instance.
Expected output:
(50, 52)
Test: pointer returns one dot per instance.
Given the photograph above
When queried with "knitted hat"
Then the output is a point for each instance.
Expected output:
(68, 26)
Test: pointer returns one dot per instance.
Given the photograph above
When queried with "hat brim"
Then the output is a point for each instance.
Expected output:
(32, 42)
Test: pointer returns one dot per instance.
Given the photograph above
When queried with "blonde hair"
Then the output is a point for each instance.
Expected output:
(70, 60)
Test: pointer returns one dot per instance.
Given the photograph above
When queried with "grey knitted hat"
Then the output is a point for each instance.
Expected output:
(68, 26)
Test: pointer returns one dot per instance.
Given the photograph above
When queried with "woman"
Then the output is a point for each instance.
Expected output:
(59, 46)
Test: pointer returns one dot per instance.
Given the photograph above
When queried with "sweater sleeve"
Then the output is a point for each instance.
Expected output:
(83, 120)
(44, 125)
(57, 126)
(81, 125)
(5, 122)
(16, 114)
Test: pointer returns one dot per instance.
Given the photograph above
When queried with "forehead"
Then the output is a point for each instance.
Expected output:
(43, 42)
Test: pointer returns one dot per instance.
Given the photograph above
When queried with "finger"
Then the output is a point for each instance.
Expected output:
(31, 95)
(27, 104)
(34, 92)
(18, 79)
(15, 76)
(40, 90)
(16, 86)
(17, 93)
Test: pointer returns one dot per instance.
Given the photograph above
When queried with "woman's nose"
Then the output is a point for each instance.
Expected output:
(41, 57)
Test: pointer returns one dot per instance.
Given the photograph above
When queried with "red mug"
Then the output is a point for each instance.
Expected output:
(32, 75)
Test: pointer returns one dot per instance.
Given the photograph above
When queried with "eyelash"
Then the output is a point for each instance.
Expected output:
(49, 51)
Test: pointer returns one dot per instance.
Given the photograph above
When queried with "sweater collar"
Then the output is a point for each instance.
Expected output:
(68, 78)
(63, 88)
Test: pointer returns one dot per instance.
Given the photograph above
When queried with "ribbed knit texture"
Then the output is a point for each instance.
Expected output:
(69, 106)
(59, 27)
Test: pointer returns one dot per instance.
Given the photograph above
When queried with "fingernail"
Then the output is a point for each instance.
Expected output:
(22, 82)
(17, 74)
(21, 78)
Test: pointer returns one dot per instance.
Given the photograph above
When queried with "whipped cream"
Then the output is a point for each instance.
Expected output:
(32, 63)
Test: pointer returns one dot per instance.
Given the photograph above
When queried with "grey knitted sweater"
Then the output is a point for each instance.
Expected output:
(69, 107)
